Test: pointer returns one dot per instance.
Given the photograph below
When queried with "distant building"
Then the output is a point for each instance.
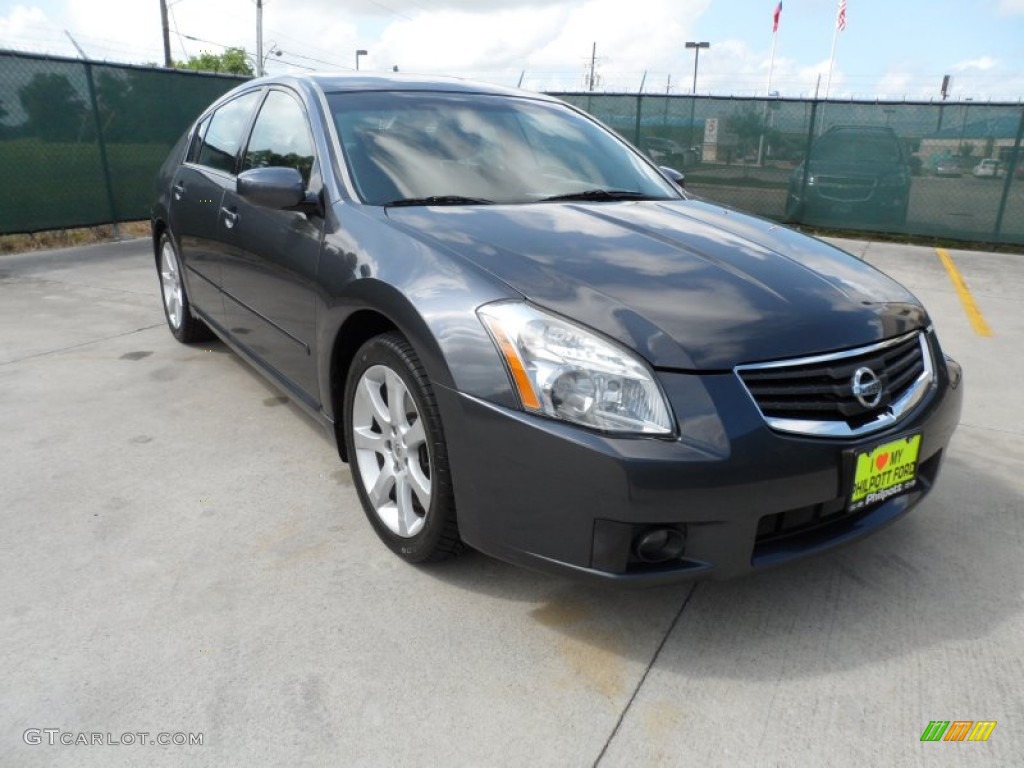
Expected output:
(986, 137)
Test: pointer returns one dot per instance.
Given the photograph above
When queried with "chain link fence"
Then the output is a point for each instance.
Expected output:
(81, 142)
(950, 170)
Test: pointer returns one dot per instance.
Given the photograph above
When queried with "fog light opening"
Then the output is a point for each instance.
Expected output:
(659, 545)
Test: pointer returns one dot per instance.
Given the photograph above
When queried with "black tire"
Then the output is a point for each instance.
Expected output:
(437, 537)
(186, 327)
(793, 212)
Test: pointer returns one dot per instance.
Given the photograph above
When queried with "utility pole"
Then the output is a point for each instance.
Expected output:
(259, 38)
(593, 62)
(167, 34)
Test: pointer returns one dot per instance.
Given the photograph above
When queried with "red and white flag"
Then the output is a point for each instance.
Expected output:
(841, 17)
(778, 15)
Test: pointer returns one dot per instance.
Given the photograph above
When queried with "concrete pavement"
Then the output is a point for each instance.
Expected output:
(182, 552)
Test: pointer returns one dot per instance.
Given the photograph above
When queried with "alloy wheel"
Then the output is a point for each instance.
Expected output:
(392, 455)
(170, 284)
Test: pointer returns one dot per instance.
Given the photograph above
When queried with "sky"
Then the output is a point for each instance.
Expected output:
(890, 49)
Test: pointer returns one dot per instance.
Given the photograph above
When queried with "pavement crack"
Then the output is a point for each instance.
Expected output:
(79, 345)
(31, 278)
(643, 677)
(1013, 432)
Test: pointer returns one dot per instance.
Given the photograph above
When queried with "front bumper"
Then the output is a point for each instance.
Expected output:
(547, 495)
(885, 203)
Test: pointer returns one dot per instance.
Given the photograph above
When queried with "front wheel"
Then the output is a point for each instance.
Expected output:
(397, 451)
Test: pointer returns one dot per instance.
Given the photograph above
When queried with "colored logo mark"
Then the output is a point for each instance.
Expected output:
(958, 730)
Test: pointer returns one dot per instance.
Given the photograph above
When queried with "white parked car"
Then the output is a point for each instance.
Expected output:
(988, 169)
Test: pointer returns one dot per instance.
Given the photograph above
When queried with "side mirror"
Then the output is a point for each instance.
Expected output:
(273, 187)
(673, 175)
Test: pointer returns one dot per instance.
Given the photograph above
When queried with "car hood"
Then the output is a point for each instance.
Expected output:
(687, 284)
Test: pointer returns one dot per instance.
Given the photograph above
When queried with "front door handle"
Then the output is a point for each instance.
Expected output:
(179, 190)
(230, 217)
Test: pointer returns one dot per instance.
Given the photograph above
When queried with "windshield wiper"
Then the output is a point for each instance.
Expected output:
(602, 194)
(439, 200)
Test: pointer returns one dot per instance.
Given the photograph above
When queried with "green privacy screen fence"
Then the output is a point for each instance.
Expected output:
(80, 143)
(952, 170)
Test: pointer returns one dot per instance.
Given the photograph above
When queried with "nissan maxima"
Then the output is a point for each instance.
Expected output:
(528, 339)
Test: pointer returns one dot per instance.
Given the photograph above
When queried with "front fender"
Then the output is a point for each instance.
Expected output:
(429, 295)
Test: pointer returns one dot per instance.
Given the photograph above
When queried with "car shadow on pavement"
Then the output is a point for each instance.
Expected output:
(949, 572)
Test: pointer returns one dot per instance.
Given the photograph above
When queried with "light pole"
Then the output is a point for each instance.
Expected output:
(693, 99)
(963, 130)
(359, 53)
(272, 51)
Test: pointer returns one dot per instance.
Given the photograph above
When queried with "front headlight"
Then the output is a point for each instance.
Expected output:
(567, 372)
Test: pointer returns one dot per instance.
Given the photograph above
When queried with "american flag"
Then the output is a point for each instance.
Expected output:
(841, 18)
(778, 13)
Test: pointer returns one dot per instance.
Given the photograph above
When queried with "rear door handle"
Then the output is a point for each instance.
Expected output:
(179, 190)
(230, 217)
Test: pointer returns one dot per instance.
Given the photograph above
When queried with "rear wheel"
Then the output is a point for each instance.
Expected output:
(397, 451)
(177, 309)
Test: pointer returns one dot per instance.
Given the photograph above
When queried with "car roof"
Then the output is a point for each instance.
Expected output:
(338, 82)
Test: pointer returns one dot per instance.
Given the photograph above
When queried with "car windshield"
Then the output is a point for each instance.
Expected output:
(853, 148)
(451, 148)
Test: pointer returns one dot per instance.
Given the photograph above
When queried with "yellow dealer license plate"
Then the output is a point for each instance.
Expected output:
(885, 471)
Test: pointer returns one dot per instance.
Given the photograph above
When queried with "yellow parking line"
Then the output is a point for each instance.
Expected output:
(966, 297)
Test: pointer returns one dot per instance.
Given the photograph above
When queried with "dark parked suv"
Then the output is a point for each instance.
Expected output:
(526, 338)
(856, 175)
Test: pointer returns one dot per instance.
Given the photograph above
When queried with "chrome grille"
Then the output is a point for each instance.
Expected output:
(846, 189)
(815, 395)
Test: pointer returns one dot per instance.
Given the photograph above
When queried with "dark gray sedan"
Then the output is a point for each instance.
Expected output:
(527, 338)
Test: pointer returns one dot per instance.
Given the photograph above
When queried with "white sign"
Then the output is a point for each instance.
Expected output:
(711, 130)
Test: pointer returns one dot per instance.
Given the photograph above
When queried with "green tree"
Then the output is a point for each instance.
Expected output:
(233, 62)
(114, 94)
(54, 109)
(748, 125)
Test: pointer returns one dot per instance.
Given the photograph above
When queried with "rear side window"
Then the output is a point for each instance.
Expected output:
(197, 141)
(226, 133)
(280, 136)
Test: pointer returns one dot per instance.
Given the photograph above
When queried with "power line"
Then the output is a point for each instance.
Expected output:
(305, 46)
(391, 10)
(174, 20)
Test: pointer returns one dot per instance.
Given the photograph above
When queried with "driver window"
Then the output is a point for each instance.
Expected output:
(280, 137)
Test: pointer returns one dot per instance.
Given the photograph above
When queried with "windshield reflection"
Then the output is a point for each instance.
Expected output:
(503, 149)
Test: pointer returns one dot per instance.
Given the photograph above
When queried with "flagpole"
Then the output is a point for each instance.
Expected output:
(767, 95)
(768, 89)
(831, 60)
(831, 65)
(771, 62)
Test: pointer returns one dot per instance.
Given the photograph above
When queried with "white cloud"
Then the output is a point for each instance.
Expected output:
(983, 64)
(1010, 7)
(28, 28)
(20, 20)
(550, 42)
(496, 40)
